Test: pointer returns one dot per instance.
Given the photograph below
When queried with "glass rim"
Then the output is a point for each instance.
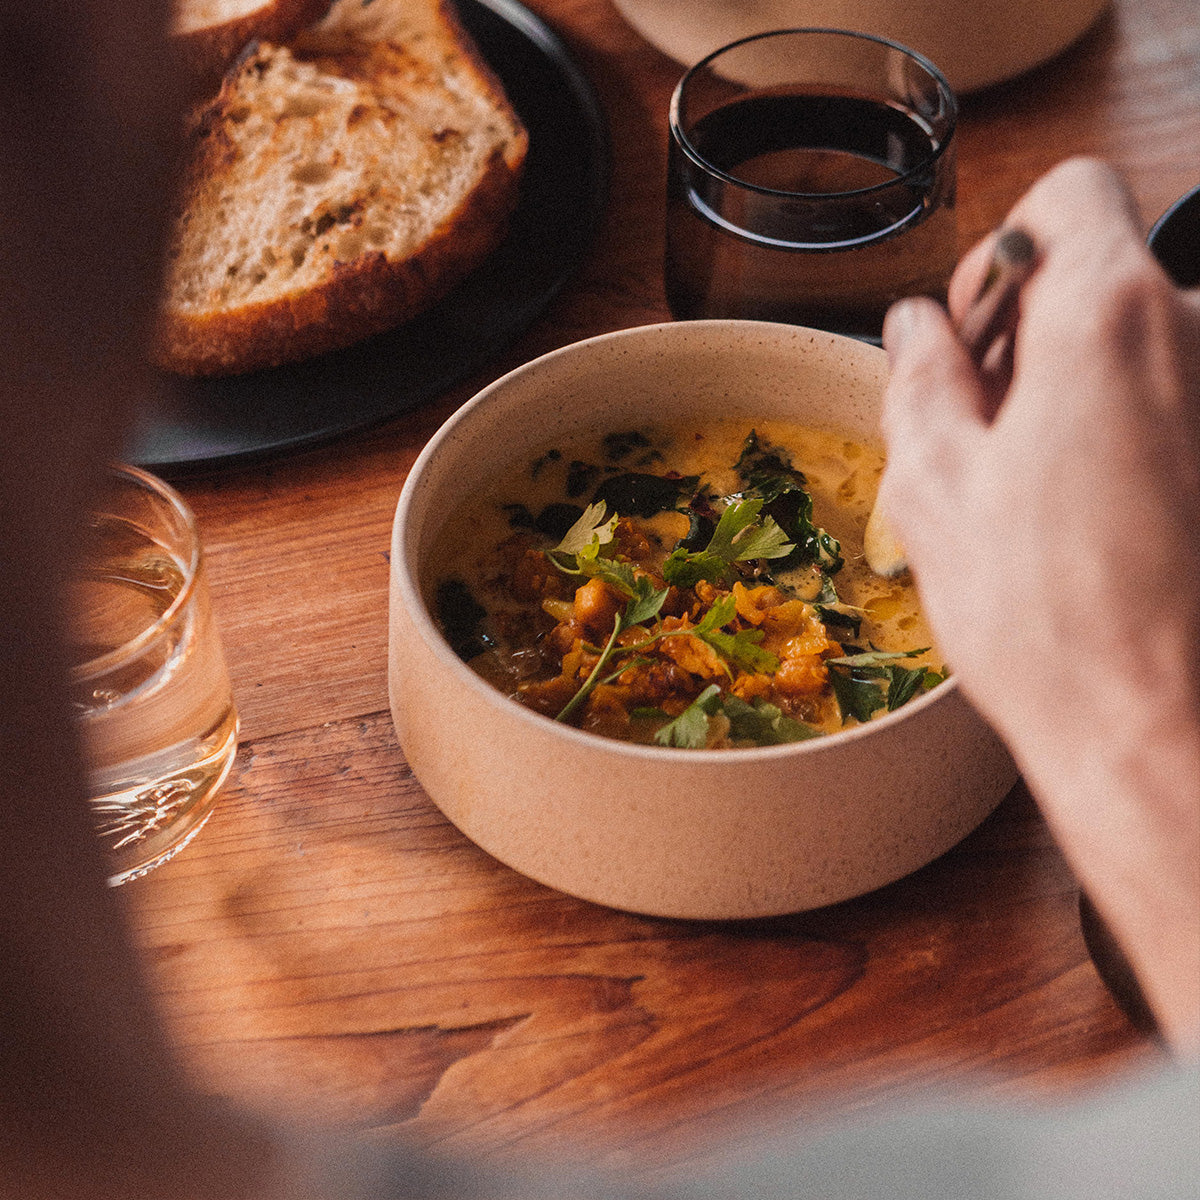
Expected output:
(681, 139)
(110, 659)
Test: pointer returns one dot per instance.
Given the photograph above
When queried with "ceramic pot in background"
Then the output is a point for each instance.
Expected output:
(974, 42)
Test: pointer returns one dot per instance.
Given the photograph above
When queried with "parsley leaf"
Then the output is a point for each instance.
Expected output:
(738, 537)
(873, 658)
(739, 649)
(763, 723)
(720, 613)
(686, 569)
(618, 575)
(759, 724)
(644, 604)
(903, 685)
(689, 730)
(581, 553)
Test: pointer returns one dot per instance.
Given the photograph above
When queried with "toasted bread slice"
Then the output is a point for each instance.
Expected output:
(336, 187)
(212, 33)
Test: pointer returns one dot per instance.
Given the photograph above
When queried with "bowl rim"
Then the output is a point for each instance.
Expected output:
(409, 592)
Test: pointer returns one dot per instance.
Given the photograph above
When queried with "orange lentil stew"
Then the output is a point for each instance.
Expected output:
(641, 590)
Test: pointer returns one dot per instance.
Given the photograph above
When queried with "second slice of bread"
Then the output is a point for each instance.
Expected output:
(337, 186)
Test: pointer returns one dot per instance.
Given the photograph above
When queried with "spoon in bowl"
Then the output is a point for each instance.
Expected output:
(990, 314)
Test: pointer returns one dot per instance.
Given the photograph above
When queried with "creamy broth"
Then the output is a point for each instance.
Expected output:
(485, 550)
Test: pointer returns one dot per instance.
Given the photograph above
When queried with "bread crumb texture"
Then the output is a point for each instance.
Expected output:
(335, 187)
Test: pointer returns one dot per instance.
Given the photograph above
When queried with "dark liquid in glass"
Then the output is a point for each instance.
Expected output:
(814, 256)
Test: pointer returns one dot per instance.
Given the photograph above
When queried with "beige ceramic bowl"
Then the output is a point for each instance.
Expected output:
(679, 833)
(973, 42)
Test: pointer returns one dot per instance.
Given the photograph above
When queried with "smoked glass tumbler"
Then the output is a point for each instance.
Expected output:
(811, 180)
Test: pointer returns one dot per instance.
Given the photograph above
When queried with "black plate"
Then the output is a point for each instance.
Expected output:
(203, 424)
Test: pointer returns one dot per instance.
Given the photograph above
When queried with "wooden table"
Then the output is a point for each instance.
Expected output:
(331, 941)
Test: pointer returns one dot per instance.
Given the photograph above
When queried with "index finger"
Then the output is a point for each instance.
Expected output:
(1072, 213)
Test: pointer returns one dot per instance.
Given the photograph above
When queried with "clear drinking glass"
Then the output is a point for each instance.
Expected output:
(811, 180)
(149, 684)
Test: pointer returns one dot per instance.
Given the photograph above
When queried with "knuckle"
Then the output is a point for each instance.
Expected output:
(1085, 171)
(1135, 298)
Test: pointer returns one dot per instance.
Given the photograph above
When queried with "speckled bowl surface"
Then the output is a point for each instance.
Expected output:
(678, 833)
(974, 43)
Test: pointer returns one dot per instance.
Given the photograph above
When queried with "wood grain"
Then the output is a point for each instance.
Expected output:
(331, 937)
(331, 942)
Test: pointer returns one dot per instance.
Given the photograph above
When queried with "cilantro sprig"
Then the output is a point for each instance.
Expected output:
(689, 730)
(757, 724)
(764, 724)
(863, 682)
(740, 649)
(584, 540)
(581, 553)
(740, 536)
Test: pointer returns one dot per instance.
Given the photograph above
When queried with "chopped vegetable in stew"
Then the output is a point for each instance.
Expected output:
(684, 607)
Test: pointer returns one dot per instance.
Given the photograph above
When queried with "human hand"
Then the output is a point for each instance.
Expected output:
(1056, 547)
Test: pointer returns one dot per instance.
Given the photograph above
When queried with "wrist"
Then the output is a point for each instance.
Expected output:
(1126, 811)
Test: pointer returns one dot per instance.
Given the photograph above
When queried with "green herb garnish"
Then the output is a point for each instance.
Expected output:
(757, 724)
(770, 522)
(734, 649)
(591, 530)
(867, 681)
(739, 649)
(644, 603)
(764, 724)
(689, 730)
(739, 537)
(768, 473)
(581, 552)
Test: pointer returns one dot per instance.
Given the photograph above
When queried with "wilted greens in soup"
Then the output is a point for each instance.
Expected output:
(697, 589)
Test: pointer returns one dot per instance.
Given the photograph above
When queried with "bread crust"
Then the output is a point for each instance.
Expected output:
(357, 298)
(361, 298)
